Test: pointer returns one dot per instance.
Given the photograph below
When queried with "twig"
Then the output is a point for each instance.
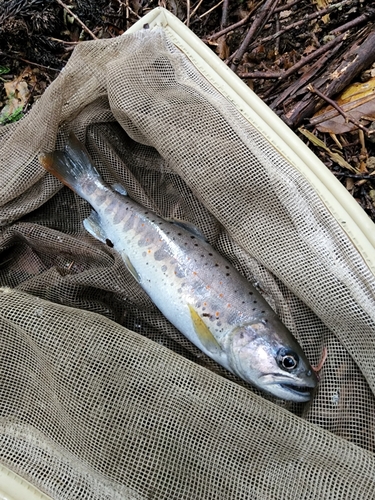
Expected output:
(286, 6)
(338, 108)
(196, 8)
(62, 41)
(277, 28)
(232, 27)
(71, 13)
(355, 22)
(262, 74)
(266, 10)
(224, 14)
(310, 17)
(187, 13)
(302, 62)
(210, 10)
(356, 176)
(29, 62)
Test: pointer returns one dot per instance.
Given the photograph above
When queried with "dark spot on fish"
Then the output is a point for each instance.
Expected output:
(263, 312)
(164, 268)
(255, 301)
(195, 244)
(266, 320)
(161, 254)
(168, 232)
(210, 254)
(146, 213)
(206, 315)
(185, 243)
(202, 256)
(179, 272)
(160, 223)
(243, 302)
(226, 267)
(216, 264)
(254, 309)
(241, 335)
(250, 293)
(109, 243)
(227, 274)
(144, 254)
(218, 323)
(192, 237)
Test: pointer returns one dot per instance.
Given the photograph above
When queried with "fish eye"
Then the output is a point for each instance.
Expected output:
(287, 360)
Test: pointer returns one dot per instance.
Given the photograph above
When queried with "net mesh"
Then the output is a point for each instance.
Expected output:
(115, 404)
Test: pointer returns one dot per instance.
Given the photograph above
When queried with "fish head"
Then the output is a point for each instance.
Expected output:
(269, 357)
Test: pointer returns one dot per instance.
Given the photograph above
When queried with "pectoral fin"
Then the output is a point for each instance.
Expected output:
(203, 332)
(130, 267)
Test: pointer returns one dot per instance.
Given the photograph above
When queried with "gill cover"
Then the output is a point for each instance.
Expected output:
(272, 362)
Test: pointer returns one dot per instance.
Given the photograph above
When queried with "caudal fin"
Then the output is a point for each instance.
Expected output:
(72, 166)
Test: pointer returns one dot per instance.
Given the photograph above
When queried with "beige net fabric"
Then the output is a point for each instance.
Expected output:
(115, 404)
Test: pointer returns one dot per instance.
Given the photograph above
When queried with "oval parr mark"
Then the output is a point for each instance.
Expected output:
(161, 254)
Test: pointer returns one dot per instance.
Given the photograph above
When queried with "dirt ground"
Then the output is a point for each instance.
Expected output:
(298, 56)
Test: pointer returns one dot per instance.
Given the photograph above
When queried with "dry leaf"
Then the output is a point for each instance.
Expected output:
(336, 157)
(222, 48)
(17, 93)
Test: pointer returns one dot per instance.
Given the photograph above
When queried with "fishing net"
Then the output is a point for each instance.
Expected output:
(101, 397)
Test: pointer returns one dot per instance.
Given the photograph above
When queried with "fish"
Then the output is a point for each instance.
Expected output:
(192, 284)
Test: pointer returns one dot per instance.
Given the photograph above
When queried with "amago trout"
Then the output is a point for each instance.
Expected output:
(196, 289)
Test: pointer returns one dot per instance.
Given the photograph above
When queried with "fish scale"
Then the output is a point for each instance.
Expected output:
(200, 293)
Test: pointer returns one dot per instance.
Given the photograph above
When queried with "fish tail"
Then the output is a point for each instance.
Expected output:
(72, 167)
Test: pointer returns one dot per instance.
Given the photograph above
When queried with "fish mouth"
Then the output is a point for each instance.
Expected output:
(300, 391)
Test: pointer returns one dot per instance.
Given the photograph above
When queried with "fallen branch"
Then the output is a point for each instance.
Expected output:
(367, 16)
(359, 56)
(265, 12)
(224, 14)
(297, 24)
(234, 26)
(282, 75)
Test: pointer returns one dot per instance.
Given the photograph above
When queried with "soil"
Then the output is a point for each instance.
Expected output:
(278, 47)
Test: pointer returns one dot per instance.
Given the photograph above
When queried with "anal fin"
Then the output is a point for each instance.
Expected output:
(93, 226)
